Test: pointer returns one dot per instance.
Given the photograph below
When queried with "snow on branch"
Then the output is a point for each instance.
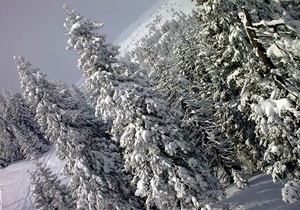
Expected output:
(269, 24)
(274, 24)
(261, 51)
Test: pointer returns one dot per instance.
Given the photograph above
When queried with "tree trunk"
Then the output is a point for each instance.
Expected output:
(262, 53)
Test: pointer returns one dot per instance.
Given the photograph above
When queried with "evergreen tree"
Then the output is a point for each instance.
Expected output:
(31, 80)
(48, 192)
(25, 129)
(95, 165)
(93, 160)
(38, 91)
(169, 171)
(267, 81)
(222, 59)
(170, 59)
(21, 137)
(9, 149)
(291, 192)
(273, 94)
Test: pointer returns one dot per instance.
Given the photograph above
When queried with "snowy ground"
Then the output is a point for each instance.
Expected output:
(14, 186)
(261, 192)
(15, 182)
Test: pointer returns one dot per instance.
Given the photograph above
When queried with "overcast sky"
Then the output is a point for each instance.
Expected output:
(34, 29)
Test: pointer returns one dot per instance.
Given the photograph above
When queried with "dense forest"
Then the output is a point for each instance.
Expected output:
(205, 101)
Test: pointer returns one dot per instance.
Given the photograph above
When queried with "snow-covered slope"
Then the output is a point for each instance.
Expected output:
(14, 186)
(15, 181)
(260, 194)
(158, 14)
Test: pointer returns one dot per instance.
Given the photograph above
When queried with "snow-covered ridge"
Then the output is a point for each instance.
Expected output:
(157, 15)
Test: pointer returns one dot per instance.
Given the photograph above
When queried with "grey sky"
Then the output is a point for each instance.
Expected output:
(34, 29)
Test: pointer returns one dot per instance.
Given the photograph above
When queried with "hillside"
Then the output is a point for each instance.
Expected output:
(157, 15)
(15, 181)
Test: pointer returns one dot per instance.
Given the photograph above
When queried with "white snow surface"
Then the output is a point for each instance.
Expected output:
(270, 23)
(15, 181)
(271, 107)
(261, 193)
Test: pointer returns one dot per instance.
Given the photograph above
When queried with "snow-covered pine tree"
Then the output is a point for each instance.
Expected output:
(168, 170)
(169, 60)
(47, 190)
(222, 60)
(274, 93)
(96, 169)
(24, 127)
(35, 88)
(9, 148)
(21, 137)
(93, 160)
(31, 80)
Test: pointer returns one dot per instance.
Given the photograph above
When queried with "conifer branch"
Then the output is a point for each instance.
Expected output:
(262, 53)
